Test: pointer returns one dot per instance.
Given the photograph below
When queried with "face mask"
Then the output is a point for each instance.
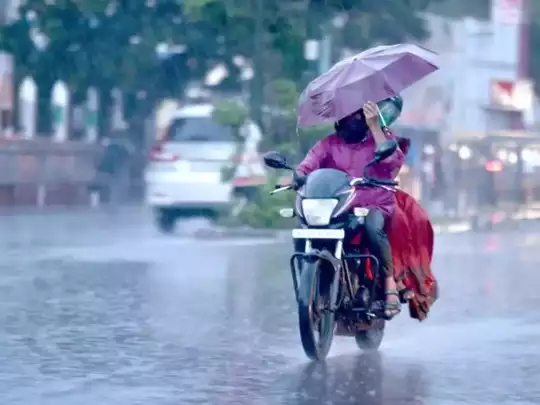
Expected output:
(352, 129)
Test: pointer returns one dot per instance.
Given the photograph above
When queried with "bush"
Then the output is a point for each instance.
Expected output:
(233, 114)
(263, 210)
(311, 135)
(230, 113)
(281, 135)
(282, 94)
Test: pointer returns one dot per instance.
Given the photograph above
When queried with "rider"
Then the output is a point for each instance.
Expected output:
(349, 149)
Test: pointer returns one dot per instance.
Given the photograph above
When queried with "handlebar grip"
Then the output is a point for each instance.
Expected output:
(382, 182)
(279, 189)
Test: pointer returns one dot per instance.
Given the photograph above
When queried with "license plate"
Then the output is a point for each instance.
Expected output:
(318, 233)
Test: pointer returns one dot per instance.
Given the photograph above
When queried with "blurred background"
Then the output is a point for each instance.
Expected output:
(186, 94)
(120, 118)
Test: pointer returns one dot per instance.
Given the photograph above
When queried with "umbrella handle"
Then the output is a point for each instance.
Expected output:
(385, 125)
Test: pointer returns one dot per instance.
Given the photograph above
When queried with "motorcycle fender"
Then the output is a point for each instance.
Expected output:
(336, 264)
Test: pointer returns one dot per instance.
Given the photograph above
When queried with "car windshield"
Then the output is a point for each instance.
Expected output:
(199, 129)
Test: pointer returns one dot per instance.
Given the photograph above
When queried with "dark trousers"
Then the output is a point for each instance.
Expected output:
(377, 241)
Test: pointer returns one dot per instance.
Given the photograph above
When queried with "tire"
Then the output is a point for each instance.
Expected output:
(371, 339)
(211, 215)
(315, 349)
(165, 220)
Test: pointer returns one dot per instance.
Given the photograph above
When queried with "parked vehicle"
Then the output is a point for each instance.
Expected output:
(185, 175)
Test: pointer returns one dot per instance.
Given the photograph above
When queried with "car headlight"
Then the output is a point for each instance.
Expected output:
(318, 212)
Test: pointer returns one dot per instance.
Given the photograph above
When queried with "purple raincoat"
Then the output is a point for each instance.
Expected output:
(333, 152)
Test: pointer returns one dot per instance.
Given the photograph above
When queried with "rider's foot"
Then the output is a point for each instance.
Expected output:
(404, 293)
(392, 305)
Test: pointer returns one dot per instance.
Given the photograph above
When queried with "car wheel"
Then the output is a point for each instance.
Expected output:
(165, 220)
(212, 215)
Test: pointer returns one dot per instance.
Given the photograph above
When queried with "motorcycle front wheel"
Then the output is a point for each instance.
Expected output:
(316, 321)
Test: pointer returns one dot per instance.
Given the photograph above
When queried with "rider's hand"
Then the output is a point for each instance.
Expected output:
(298, 181)
(371, 112)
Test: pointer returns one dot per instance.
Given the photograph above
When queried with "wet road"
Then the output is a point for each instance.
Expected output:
(101, 309)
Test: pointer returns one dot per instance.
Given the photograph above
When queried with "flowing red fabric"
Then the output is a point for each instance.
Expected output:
(411, 239)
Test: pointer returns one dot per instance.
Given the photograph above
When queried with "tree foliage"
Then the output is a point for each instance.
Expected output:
(92, 42)
(113, 43)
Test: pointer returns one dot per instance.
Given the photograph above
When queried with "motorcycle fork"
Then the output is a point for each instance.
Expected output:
(314, 254)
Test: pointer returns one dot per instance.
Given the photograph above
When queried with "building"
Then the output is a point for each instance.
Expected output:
(480, 105)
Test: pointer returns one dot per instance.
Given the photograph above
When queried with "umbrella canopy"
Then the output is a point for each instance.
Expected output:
(373, 75)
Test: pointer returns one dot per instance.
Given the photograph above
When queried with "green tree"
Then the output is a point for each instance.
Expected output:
(106, 43)
(288, 23)
(94, 42)
(371, 22)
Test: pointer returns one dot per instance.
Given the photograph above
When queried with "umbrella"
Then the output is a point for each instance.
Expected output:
(373, 75)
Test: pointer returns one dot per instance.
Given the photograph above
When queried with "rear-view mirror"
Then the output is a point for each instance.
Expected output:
(385, 150)
(275, 160)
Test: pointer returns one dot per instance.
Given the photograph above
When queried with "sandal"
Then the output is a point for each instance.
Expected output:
(392, 308)
(405, 295)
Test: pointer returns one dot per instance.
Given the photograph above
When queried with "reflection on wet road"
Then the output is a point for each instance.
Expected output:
(101, 309)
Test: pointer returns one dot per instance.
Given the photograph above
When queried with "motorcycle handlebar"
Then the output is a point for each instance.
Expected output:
(370, 181)
(280, 189)
(367, 180)
(382, 182)
(355, 182)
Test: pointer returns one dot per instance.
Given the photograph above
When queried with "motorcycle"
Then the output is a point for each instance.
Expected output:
(336, 279)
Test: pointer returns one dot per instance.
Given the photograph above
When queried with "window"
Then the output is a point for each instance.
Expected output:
(199, 129)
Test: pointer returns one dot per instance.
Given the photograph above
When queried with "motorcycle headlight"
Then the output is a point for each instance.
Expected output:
(318, 212)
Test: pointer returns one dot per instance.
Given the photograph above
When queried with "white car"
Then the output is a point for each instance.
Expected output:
(185, 174)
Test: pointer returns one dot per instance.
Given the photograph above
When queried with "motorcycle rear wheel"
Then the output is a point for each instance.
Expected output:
(371, 339)
(315, 347)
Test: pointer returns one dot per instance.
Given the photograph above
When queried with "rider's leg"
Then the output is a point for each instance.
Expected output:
(380, 247)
